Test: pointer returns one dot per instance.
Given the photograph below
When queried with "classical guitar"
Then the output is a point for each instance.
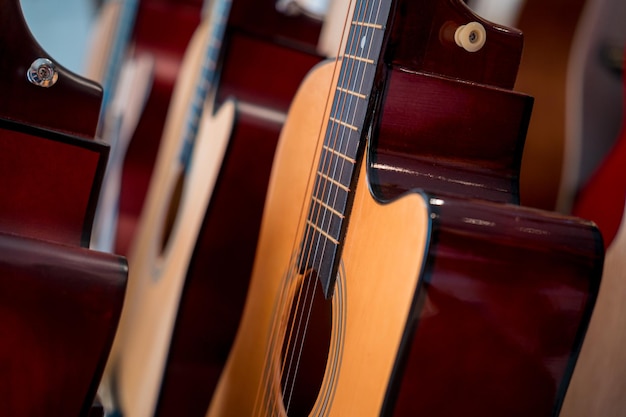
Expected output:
(192, 197)
(59, 301)
(368, 298)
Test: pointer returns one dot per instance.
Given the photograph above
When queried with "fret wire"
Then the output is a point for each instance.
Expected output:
(342, 123)
(367, 25)
(329, 208)
(358, 58)
(334, 181)
(322, 232)
(339, 154)
(353, 87)
(354, 93)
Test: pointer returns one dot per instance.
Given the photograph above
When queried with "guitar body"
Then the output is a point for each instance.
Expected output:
(238, 389)
(176, 329)
(59, 307)
(265, 57)
(420, 315)
(59, 302)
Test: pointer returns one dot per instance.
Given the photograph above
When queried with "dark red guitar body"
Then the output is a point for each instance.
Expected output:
(507, 292)
(265, 57)
(59, 302)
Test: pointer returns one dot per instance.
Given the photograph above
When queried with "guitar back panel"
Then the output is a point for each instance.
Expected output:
(50, 183)
(501, 314)
(72, 105)
(59, 307)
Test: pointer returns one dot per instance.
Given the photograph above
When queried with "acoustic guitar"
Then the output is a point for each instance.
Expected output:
(59, 301)
(426, 303)
(195, 223)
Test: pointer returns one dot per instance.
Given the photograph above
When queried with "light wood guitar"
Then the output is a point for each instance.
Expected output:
(422, 304)
(160, 258)
(196, 226)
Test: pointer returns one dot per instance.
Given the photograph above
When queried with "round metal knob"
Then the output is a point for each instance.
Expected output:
(43, 73)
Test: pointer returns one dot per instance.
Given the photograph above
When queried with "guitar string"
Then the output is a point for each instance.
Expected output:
(339, 163)
(355, 38)
(342, 161)
(306, 260)
(265, 398)
(206, 79)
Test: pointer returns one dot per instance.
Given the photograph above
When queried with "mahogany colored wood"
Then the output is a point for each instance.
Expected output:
(486, 314)
(422, 38)
(49, 183)
(33, 202)
(450, 136)
(450, 122)
(59, 302)
(262, 65)
(59, 307)
(501, 312)
(72, 105)
(162, 31)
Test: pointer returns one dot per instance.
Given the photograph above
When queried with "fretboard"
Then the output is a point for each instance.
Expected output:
(123, 32)
(343, 142)
(219, 12)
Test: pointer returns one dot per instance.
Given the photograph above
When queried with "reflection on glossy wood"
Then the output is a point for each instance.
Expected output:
(471, 305)
(59, 307)
(59, 302)
(72, 105)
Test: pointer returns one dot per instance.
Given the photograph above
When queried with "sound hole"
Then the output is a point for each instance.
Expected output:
(172, 211)
(306, 346)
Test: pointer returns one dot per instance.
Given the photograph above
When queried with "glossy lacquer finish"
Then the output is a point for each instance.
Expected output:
(59, 302)
(49, 183)
(499, 317)
(72, 105)
(34, 201)
(265, 56)
(507, 292)
(59, 307)
(451, 136)
(448, 120)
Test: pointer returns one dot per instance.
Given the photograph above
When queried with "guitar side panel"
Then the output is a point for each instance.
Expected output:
(504, 306)
(59, 308)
